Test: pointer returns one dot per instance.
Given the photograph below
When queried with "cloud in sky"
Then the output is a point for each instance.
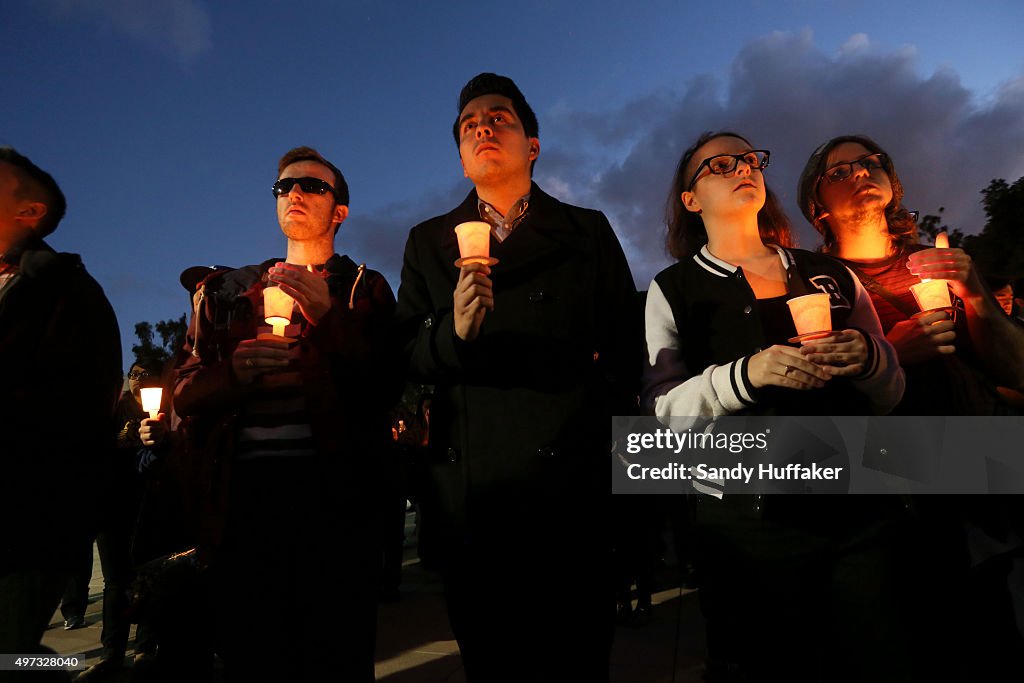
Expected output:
(783, 93)
(378, 236)
(179, 29)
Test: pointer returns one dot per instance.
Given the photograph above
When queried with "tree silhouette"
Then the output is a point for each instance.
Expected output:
(999, 248)
(172, 337)
(931, 225)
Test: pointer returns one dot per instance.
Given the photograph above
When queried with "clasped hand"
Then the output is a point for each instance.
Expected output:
(841, 354)
(924, 338)
(255, 357)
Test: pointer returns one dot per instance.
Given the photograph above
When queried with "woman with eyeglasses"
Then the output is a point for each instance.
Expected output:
(783, 589)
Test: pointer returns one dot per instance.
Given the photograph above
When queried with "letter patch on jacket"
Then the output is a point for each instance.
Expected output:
(827, 284)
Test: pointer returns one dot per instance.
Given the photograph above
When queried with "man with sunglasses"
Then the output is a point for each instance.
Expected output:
(293, 426)
(61, 353)
(530, 357)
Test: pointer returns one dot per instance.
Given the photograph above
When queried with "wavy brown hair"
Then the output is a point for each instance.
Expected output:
(902, 226)
(686, 231)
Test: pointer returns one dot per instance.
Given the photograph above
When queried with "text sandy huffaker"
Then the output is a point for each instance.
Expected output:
(735, 473)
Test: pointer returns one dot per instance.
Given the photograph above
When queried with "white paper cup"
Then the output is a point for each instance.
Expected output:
(811, 313)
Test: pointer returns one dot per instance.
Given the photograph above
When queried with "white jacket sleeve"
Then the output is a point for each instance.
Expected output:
(672, 389)
(883, 380)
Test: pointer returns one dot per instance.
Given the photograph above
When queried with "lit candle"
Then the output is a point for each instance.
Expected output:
(474, 243)
(151, 400)
(931, 294)
(277, 309)
(811, 313)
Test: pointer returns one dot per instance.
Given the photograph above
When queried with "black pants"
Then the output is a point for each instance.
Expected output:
(114, 542)
(295, 577)
(802, 600)
(532, 611)
(76, 594)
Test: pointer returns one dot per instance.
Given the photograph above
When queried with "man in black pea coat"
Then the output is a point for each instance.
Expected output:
(530, 358)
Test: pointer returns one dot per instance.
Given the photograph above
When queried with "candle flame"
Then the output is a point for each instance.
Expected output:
(151, 400)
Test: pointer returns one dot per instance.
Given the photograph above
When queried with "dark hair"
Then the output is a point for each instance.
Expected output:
(686, 231)
(37, 185)
(902, 226)
(493, 84)
(310, 154)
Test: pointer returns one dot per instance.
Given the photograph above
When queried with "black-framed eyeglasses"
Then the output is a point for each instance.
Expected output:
(308, 185)
(844, 170)
(723, 164)
(138, 375)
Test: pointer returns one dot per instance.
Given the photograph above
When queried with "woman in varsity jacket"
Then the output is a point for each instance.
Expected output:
(775, 570)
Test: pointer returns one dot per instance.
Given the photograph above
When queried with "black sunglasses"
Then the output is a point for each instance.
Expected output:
(308, 185)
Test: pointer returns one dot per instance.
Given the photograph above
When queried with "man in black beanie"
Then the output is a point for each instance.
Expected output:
(530, 356)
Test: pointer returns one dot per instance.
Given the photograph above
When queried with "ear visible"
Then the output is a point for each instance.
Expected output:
(690, 202)
(32, 212)
(534, 148)
(340, 214)
(465, 174)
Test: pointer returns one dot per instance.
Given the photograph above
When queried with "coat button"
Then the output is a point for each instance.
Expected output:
(453, 455)
(747, 310)
(427, 322)
(536, 297)
(546, 452)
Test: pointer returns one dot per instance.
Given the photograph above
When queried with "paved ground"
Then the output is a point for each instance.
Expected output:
(415, 645)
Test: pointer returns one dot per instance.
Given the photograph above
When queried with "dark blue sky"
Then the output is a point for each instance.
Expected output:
(163, 120)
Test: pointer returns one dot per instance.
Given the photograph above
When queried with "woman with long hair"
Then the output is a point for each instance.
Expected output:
(784, 590)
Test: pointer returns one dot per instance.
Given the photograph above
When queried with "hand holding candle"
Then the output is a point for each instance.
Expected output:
(841, 353)
(929, 335)
(308, 289)
(152, 431)
(473, 297)
(945, 263)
